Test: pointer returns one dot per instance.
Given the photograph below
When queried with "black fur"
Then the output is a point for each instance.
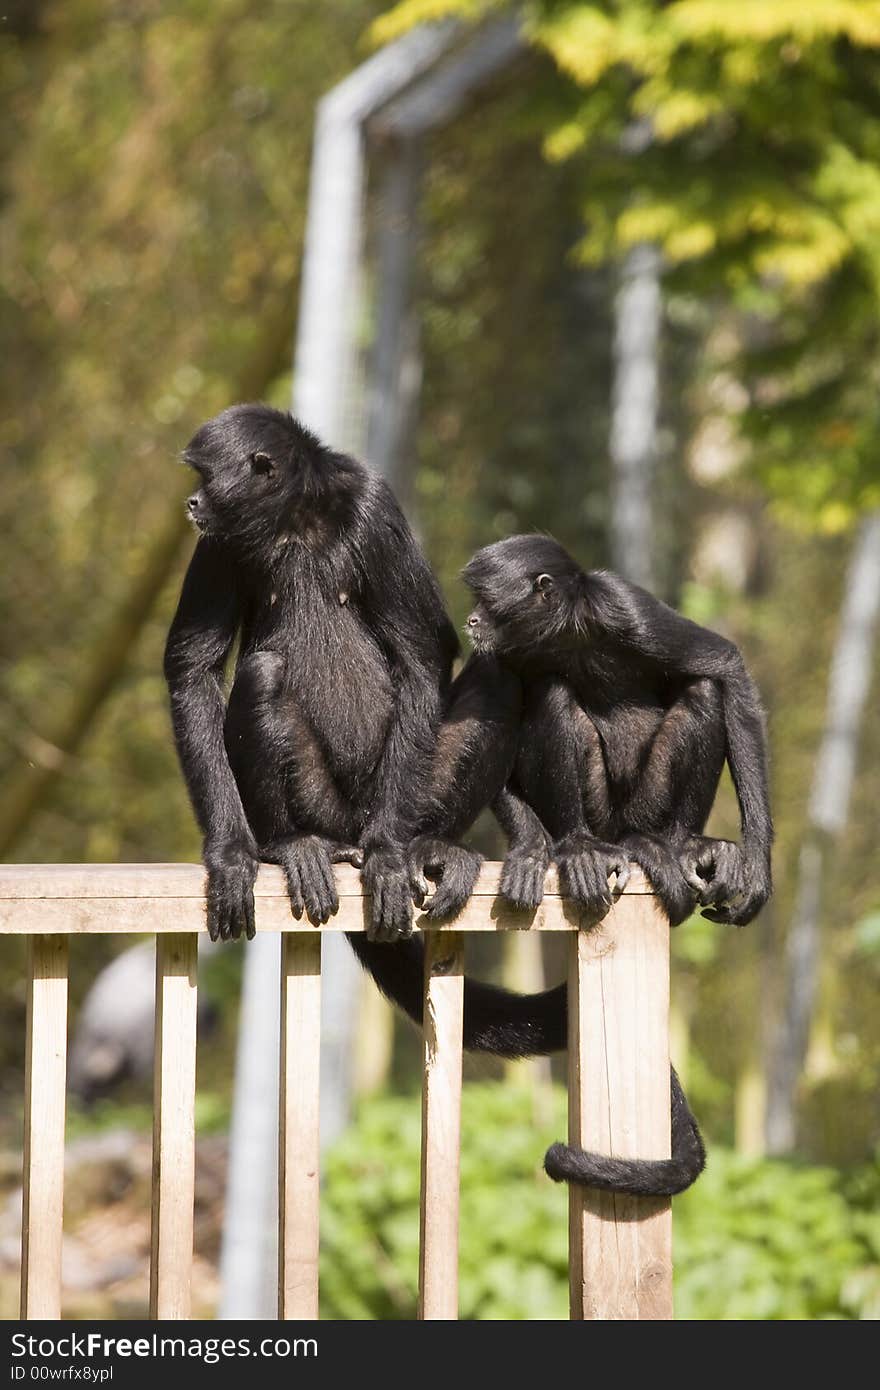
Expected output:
(642, 1178)
(343, 671)
(627, 713)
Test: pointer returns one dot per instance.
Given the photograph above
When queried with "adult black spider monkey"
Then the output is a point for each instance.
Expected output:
(324, 750)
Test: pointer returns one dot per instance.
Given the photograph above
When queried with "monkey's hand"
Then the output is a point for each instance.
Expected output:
(307, 861)
(732, 882)
(659, 863)
(232, 867)
(451, 867)
(591, 873)
(387, 878)
(522, 878)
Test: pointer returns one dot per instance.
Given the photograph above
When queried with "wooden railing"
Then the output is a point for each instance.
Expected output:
(620, 1247)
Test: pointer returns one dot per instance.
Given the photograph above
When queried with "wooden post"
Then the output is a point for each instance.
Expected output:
(174, 1089)
(441, 1125)
(45, 1080)
(298, 1127)
(620, 1254)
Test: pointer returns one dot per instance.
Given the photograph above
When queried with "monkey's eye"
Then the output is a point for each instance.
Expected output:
(261, 463)
(543, 584)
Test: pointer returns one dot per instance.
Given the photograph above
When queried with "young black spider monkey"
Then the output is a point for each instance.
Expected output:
(629, 711)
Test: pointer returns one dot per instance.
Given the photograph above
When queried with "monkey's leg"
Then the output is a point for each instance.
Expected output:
(673, 796)
(475, 750)
(292, 804)
(561, 774)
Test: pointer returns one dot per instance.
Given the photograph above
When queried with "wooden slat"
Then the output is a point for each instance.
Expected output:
(96, 893)
(620, 1256)
(174, 1126)
(298, 1129)
(119, 899)
(441, 1126)
(44, 1110)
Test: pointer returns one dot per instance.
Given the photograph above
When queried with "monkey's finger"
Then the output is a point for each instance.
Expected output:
(377, 909)
(294, 891)
(225, 920)
(348, 854)
(403, 922)
(696, 881)
(212, 912)
(532, 889)
(620, 873)
(717, 914)
(332, 897)
(742, 913)
(574, 879)
(250, 923)
(446, 901)
(419, 887)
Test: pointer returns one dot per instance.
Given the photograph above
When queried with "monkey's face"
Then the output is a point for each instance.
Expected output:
(529, 598)
(252, 462)
(480, 630)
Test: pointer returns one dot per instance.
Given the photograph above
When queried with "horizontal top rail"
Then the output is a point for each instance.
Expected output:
(111, 898)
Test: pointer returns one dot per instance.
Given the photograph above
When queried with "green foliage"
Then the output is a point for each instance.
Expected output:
(513, 1224)
(744, 139)
(769, 1240)
(753, 1240)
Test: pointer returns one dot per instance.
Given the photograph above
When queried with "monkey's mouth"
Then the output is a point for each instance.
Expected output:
(200, 523)
(480, 639)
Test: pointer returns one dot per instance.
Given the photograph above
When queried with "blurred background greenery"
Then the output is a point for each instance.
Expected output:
(154, 184)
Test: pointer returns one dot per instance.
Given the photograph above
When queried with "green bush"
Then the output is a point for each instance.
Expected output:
(753, 1240)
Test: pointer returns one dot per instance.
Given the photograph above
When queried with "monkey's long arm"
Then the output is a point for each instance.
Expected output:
(400, 600)
(651, 629)
(196, 653)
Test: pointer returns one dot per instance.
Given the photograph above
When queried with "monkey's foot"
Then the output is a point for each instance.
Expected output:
(663, 871)
(730, 882)
(232, 867)
(452, 868)
(592, 873)
(386, 877)
(522, 877)
(307, 861)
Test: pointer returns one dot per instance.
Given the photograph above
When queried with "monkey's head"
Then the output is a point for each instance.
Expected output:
(256, 467)
(530, 598)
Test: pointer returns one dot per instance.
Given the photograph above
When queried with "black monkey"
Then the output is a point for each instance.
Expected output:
(629, 711)
(343, 670)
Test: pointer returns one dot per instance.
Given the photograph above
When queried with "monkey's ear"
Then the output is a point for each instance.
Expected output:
(261, 463)
(543, 584)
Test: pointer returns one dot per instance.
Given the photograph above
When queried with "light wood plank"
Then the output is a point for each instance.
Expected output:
(44, 1112)
(620, 1257)
(88, 881)
(174, 1126)
(123, 899)
(299, 1127)
(441, 1126)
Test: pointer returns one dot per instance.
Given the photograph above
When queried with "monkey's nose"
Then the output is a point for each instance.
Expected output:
(192, 504)
(473, 621)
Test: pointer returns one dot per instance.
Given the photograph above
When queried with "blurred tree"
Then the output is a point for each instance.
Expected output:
(760, 184)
